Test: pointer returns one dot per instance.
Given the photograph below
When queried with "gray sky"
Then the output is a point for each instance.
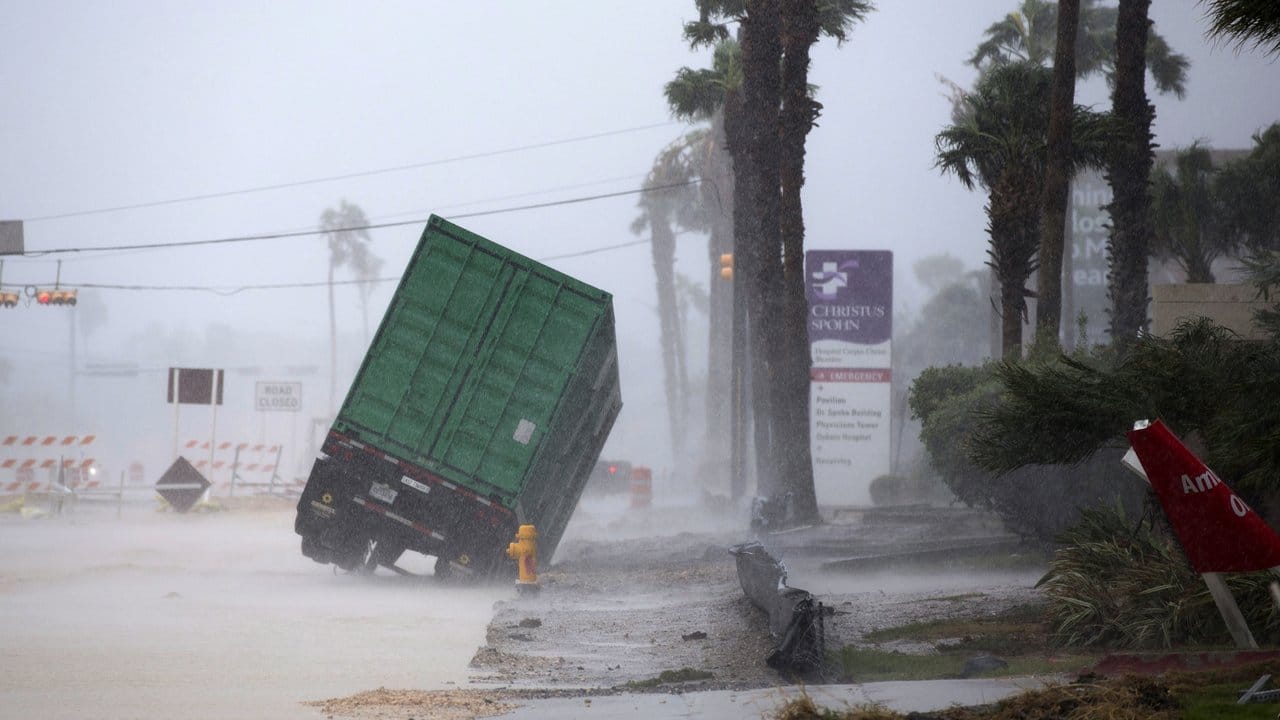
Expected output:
(109, 104)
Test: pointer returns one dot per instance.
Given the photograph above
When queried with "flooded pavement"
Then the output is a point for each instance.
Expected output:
(160, 615)
(218, 615)
(632, 595)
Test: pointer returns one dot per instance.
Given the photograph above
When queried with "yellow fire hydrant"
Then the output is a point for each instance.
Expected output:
(525, 552)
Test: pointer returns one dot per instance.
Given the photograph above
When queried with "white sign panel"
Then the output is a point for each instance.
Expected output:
(850, 325)
(278, 396)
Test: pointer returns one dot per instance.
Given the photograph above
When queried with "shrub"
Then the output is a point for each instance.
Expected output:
(1116, 585)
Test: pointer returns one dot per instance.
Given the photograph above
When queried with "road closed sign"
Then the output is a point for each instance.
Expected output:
(278, 396)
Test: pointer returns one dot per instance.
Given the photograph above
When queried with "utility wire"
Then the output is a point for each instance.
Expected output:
(229, 291)
(348, 176)
(439, 210)
(371, 226)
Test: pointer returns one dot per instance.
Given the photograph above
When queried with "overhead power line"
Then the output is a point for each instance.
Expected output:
(348, 176)
(228, 291)
(371, 226)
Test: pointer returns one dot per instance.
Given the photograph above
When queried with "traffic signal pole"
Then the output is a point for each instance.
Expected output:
(738, 392)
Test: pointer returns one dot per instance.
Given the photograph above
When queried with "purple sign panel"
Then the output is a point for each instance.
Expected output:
(850, 295)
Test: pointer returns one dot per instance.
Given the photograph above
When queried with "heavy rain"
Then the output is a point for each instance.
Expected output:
(678, 358)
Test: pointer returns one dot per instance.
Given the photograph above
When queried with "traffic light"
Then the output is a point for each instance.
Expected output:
(9, 299)
(56, 296)
(726, 266)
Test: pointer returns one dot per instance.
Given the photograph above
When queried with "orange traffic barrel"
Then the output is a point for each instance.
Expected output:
(641, 487)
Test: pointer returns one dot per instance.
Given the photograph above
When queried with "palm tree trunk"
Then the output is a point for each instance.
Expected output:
(799, 33)
(761, 58)
(751, 381)
(719, 410)
(1014, 217)
(663, 246)
(1057, 181)
(1128, 171)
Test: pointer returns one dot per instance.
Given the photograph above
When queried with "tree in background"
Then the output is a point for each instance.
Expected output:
(714, 95)
(1032, 33)
(1244, 22)
(1000, 143)
(1057, 180)
(344, 229)
(1186, 214)
(1128, 171)
(1252, 184)
(1029, 34)
(659, 210)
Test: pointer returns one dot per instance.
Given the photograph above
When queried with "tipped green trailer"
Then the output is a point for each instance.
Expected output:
(482, 404)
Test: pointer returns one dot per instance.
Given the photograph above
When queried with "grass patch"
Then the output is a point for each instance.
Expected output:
(670, 677)
(861, 664)
(1177, 696)
(1019, 636)
(1218, 702)
(1018, 631)
(871, 665)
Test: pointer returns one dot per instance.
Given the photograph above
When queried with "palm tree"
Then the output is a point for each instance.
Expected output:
(1252, 183)
(761, 259)
(659, 211)
(1032, 33)
(801, 23)
(1057, 180)
(1185, 214)
(774, 43)
(1001, 144)
(345, 227)
(1246, 21)
(1128, 171)
(1029, 34)
(748, 289)
(713, 95)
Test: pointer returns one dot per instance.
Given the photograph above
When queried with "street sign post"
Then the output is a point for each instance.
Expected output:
(196, 386)
(850, 327)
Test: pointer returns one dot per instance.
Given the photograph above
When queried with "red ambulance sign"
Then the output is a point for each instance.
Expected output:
(1218, 530)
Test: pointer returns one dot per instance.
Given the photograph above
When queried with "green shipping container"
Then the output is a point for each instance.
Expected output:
(493, 379)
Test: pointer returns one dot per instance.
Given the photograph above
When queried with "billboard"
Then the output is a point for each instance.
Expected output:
(1088, 231)
(850, 325)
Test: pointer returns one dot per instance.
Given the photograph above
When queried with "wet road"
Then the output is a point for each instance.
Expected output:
(209, 616)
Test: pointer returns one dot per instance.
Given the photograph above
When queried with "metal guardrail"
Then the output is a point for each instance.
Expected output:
(795, 616)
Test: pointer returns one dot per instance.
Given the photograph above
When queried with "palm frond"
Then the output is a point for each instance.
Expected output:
(1246, 22)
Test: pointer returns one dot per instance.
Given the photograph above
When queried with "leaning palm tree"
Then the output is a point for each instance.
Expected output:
(1186, 220)
(1000, 143)
(345, 228)
(1028, 34)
